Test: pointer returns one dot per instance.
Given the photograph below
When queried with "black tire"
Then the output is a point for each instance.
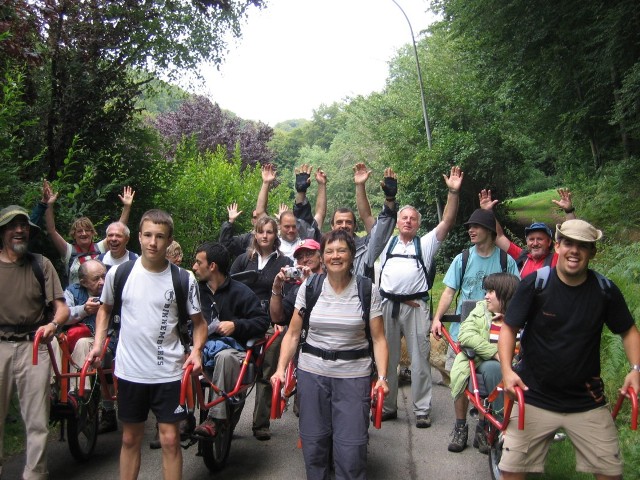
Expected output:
(495, 454)
(82, 428)
(216, 451)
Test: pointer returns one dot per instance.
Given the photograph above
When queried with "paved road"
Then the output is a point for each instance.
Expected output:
(398, 450)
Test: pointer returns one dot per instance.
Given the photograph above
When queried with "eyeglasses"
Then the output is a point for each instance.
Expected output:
(305, 253)
(84, 230)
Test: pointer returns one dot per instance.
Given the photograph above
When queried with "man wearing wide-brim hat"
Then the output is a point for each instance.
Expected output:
(559, 369)
(22, 314)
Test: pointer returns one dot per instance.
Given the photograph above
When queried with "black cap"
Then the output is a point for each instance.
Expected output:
(484, 218)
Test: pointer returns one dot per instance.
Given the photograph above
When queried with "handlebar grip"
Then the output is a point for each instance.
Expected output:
(186, 378)
(36, 345)
(276, 399)
(520, 395)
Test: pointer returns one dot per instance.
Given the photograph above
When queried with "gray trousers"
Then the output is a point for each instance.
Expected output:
(225, 376)
(334, 417)
(414, 324)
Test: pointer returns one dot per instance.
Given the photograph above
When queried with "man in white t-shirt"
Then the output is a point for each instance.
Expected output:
(117, 239)
(150, 355)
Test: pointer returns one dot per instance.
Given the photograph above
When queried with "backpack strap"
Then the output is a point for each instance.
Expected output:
(503, 261)
(119, 279)
(364, 285)
(313, 286)
(93, 252)
(463, 269)
(37, 265)
(180, 279)
(542, 277)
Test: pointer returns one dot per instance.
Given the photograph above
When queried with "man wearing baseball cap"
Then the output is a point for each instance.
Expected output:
(538, 236)
(563, 324)
(307, 256)
(29, 286)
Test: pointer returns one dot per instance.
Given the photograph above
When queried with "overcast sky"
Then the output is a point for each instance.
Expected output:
(297, 54)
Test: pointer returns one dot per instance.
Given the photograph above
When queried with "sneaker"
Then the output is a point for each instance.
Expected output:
(108, 422)
(459, 441)
(207, 429)
(423, 421)
(262, 434)
(480, 440)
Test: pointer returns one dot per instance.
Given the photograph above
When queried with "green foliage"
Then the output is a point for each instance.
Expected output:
(202, 186)
(610, 199)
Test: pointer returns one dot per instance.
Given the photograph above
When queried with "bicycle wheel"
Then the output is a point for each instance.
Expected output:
(216, 451)
(495, 454)
(82, 428)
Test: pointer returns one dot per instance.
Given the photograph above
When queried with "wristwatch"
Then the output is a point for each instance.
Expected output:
(56, 324)
(381, 377)
(635, 367)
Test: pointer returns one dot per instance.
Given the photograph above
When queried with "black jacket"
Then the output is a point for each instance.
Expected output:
(234, 301)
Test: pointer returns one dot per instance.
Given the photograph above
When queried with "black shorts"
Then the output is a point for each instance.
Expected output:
(136, 399)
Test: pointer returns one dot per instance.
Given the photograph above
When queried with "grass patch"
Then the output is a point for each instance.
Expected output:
(537, 207)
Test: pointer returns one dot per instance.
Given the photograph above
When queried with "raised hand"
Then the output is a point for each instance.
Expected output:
(268, 173)
(454, 180)
(233, 212)
(486, 203)
(565, 199)
(46, 191)
(321, 177)
(303, 177)
(127, 196)
(389, 183)
(283, 207)
(360, 174)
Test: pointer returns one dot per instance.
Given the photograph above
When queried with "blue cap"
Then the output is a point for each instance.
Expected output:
(538, 227)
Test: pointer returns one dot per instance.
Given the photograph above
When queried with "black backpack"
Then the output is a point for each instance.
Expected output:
(180, 279)
(542, 278)
(429, 274)
(313, 287)
(523, 258)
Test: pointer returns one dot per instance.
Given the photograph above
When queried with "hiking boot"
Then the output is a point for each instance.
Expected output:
(262, 434)
(423, 421)
(389, 416)
(108, 422)
(480, 440)
(207, 429)
(459, 441)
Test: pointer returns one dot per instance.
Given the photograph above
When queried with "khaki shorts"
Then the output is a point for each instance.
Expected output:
(592, 433)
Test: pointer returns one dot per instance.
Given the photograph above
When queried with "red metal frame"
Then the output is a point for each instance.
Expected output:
(221, 395)
(62, 373)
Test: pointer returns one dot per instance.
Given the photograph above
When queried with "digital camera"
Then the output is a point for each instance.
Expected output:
(293, 273)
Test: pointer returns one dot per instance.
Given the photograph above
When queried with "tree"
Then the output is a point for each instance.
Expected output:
(212, 127)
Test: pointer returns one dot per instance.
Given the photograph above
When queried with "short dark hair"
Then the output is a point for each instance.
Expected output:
(337, 236)
(504, 284)
(343, 210)
(159, 217)
(218, 254)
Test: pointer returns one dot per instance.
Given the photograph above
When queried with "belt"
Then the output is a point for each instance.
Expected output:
(14, 338)
(335, 354)
(398, 299)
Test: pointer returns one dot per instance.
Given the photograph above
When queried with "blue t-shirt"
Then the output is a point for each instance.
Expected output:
(477, 268)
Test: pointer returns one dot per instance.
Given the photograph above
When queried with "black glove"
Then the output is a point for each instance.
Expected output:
(302, 182)
(390, 187)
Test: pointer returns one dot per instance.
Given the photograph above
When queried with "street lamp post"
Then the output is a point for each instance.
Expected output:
(422, 95)
(425, 116)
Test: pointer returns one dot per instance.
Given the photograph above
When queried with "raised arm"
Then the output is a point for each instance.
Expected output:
(360, 177)
(487, 203)
(303, 180)
(127, 200)
(565, 203)
(454, 183)
(268, 176)
(58, 242)
(321, 198)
